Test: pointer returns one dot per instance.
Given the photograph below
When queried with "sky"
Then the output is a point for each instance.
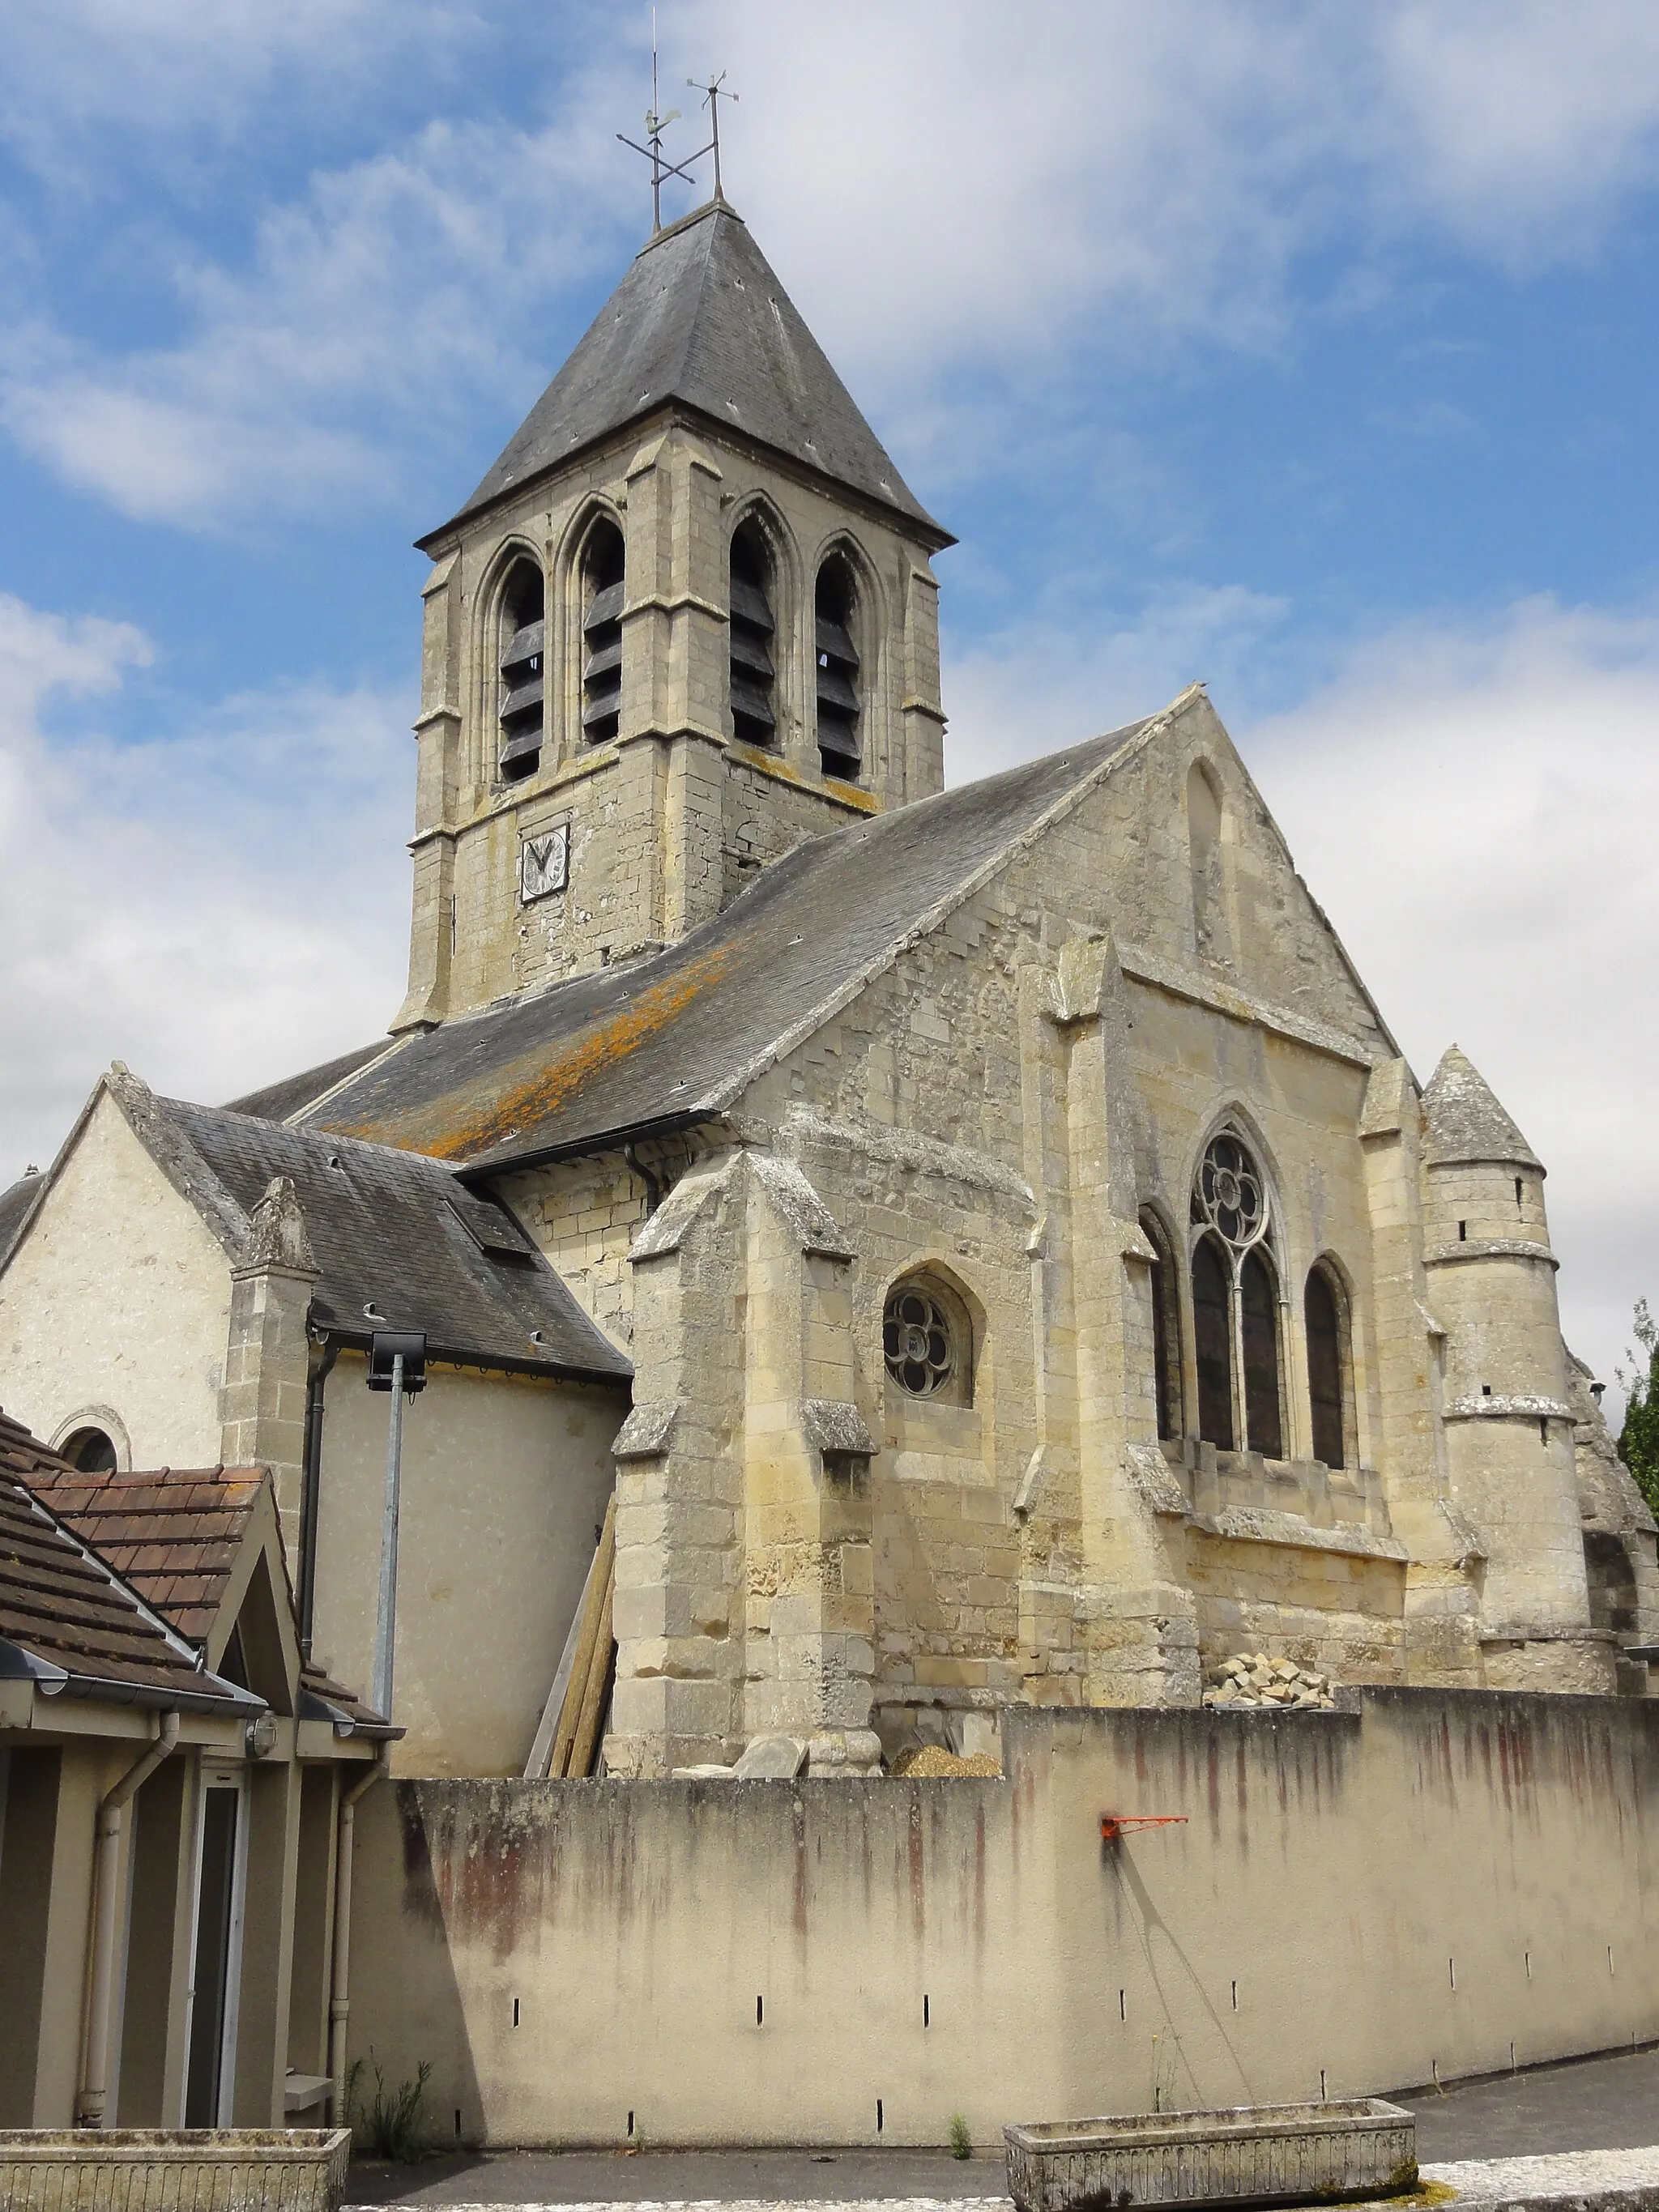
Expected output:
(1305, 349)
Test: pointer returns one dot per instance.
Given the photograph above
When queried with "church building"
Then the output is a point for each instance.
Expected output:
(985, 1240)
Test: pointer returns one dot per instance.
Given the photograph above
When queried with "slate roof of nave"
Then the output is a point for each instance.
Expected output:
(390, 1226)
(16, 1202)
(277, 1101)
(699, 317)
(684, 1032)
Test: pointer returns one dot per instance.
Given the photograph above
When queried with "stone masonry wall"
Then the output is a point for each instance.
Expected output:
(666, 821)
(1347, 1903)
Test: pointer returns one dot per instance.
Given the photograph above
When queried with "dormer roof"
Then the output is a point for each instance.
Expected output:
(700, 320)
(1465, 1120)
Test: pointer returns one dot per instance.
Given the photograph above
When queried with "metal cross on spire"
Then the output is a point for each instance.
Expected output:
(656, 123)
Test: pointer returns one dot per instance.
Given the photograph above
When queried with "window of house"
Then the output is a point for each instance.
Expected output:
(523, 670)
(1325, 1315)
(1235, 1318)
(926, 1342)
(90, 1451)
(840, 749)
(602, 638)
(754, 715)
(1166, 1328)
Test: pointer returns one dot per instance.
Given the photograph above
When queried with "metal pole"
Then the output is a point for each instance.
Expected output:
(387, 1628)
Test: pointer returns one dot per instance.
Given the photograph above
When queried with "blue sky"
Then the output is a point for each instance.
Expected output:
(1305, 349)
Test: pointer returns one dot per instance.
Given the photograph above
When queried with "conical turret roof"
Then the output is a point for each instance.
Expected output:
(1465, 1120)
(699, 317)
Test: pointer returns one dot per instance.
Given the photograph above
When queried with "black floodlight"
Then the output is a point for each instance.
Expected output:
(388, 1346)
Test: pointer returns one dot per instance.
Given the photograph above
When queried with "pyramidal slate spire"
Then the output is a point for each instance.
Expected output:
(1465, 1120)
(700, 319)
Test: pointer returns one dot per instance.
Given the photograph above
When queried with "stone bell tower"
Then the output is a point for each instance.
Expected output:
(687, 619)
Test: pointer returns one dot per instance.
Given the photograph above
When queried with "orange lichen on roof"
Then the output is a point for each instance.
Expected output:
(538, 1095)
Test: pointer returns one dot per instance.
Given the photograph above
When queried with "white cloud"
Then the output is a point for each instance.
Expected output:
(1476, 805)
(1037, 687)
(379, 310)
(216, 909)
(966, 200)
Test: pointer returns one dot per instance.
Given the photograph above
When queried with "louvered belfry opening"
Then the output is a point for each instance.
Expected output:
(524, 663)
(754, 679)
(602, 642)
(838, 670)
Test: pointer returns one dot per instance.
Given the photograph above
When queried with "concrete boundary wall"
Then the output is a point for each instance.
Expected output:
(1431, 1881)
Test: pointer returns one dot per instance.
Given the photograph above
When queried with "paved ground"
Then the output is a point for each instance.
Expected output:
(1590, 2104)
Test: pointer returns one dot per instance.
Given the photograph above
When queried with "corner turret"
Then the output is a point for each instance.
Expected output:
(1509, 1421)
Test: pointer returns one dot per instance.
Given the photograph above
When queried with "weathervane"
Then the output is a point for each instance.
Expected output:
(656, 124)
(713, 94)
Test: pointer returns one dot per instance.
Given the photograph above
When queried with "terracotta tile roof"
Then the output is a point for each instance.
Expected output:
(174, 1534)
(66, 1619)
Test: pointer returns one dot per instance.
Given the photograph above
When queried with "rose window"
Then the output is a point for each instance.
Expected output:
(918, 1342)
(1228, 1195)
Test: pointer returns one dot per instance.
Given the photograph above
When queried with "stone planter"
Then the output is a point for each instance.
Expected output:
(1254, 2153)
(183, 2169)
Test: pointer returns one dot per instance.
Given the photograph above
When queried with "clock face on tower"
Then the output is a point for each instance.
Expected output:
(543, 863)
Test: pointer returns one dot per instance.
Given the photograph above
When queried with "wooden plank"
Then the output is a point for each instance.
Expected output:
(541, 1751)
(599, 1575)
(584, 1752)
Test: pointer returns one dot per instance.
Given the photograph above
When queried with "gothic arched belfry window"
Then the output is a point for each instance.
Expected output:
(754, 716)
(1235, 1323)
(840, 747)
(602, 636)
(523, 670)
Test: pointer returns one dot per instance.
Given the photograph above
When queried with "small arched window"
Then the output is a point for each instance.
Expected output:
(926, 1342)
(91, 1451)
(840, 749)
(1166, 1328)
(1235, 1301)
(602, 639)
(1204, 854)
(754, 714)
(1325, 1312)
(523, 669)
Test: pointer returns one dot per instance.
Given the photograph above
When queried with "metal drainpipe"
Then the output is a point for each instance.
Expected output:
(315, 1381)
(107, 1860)
(339, 2007)
(653, 1183)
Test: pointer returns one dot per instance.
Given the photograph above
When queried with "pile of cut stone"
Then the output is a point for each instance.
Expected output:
(1255, 1679)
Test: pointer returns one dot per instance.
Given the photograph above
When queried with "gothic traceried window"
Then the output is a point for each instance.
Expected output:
(925, 1341)
(1212, 1342)
(1235, 1303)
